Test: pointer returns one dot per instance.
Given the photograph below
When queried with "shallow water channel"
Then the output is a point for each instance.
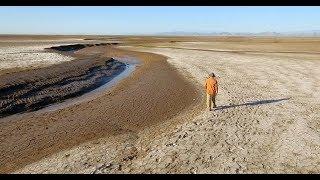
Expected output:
(66, 91)
(130, 67)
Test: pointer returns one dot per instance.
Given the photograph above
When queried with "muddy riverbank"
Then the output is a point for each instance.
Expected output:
(25, 91)
(154, 93)
(35, 92)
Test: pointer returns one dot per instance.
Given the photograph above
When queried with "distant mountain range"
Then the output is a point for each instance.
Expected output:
(311, 33)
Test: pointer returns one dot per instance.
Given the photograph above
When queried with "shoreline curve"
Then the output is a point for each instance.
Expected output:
(154, 93)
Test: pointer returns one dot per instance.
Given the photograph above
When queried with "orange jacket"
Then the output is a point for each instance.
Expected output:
(211, 86)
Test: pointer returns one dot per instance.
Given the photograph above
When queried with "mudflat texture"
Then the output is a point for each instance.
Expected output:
(267, 118)
(30, 52)
(28, 55)
(154, 93)
(34, 89)
(267, 121)
(31, 93)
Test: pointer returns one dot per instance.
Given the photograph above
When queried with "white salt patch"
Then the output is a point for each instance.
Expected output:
(29, 56)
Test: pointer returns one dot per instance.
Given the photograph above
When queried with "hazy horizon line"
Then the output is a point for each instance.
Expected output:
(173, 32)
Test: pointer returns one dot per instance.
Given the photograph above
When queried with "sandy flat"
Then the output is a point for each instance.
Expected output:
(29, 56)
(141, 100)
(267, 121)
(25, 52)
(267, 118)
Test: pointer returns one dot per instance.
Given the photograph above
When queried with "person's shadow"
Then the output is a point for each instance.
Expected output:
(254, 103)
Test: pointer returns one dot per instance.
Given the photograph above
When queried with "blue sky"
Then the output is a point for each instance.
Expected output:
(148, 19)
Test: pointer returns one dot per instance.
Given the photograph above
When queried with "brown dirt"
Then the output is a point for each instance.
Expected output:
(55, 84)
(271, 127)
(155, 92)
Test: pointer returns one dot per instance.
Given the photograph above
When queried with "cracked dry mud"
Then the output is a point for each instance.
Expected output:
(267, 121)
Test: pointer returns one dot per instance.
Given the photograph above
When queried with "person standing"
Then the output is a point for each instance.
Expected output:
(211, 87)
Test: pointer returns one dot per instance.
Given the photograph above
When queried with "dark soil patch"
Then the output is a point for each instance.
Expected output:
(32, 93)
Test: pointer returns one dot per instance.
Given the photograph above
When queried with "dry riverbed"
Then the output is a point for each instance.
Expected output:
(267, 121)
(139, 101)
(267, 118)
